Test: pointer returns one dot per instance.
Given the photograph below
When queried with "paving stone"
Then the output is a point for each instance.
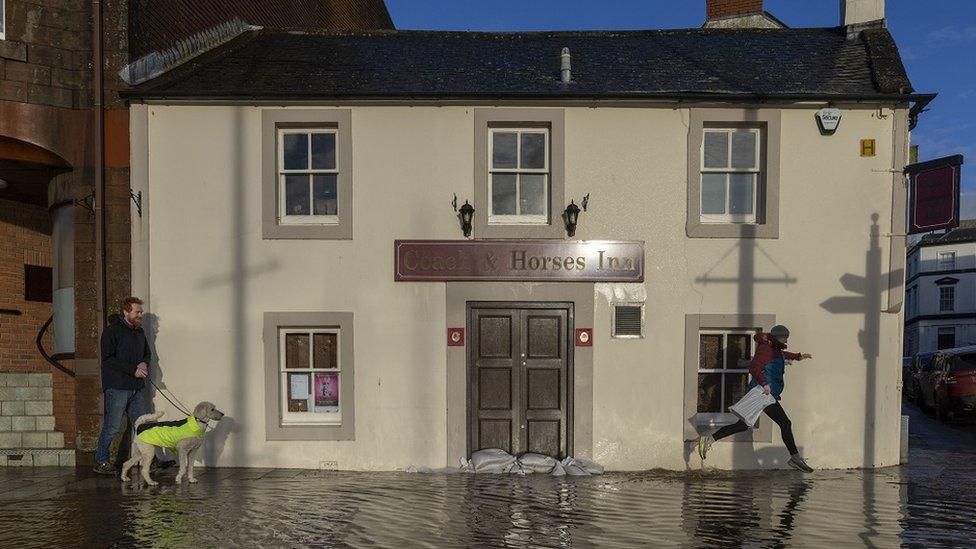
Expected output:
(26, 460)
(7, 393)
(16, 380)
(11, 439)
(44, 423)
(33, 393)
(12, 408)
(46, 460)
(55, 439)
(39, 380)
(34, 439)
(23, 423)
(66, 459)
(39, 408)
(6, 423)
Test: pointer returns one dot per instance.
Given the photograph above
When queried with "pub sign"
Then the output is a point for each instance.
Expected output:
(518, 261)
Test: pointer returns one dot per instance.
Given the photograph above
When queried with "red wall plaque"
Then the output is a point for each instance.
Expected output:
(584, 337)
(518, 260)
(455, 337)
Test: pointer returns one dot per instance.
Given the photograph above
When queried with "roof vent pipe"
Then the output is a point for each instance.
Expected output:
(565, 69)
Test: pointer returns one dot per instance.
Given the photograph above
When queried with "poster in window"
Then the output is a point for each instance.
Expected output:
(298, 392)
(326, 392)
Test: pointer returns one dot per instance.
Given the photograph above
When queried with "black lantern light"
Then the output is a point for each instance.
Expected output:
(571, 215)
(466, 215)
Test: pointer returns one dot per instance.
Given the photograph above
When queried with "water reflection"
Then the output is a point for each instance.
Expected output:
(237, 507)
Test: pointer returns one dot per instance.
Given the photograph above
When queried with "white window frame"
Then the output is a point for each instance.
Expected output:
(518, 218)
(289, 418)
(757, 171)
(947, 297)
(718, 419)
(947, 264)
(312, 219)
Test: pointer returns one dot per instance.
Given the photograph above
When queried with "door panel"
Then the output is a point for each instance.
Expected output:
(519, 365)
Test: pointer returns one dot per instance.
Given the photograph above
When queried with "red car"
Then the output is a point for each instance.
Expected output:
(949, 388)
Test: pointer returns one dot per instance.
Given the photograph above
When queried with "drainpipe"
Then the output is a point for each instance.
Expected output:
(99, 137)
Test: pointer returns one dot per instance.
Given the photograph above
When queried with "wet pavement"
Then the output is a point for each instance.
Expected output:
(929, 503)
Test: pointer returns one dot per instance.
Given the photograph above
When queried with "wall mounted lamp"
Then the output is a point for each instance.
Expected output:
(571, 215)
(465, 215)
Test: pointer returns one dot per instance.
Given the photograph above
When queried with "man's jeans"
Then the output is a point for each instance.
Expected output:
(117, 402)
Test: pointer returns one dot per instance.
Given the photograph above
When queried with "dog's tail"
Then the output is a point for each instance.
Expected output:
(148, 417)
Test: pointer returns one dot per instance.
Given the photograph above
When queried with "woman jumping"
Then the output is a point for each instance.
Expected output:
(767, 368)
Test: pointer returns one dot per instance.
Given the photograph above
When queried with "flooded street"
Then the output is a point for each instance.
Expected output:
(930, 503)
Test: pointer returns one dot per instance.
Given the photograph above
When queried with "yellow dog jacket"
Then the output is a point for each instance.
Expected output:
(168, 434)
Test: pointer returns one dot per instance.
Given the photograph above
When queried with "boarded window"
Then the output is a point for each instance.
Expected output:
(628, 321)
(38, 284)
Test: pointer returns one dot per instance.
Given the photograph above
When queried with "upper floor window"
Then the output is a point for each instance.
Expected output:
(3, 19)
(947, 261)
(947, 298)
(308, 176)
(306, 173)
(519, 172)
(731, 175)
(518, 176)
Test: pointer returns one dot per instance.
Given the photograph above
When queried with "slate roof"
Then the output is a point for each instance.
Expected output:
(687, 63)
(966, 232)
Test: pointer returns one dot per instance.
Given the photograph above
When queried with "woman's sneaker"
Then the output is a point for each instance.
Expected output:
(797, 462)
(704, 445)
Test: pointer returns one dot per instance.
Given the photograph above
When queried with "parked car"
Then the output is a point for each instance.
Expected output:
(948, 387)
(911, 381)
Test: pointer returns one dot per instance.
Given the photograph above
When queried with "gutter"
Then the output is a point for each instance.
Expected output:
(98, 204)
(134, 96)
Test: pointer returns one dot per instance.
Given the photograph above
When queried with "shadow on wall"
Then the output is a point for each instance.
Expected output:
(866, 302)
(744, 455)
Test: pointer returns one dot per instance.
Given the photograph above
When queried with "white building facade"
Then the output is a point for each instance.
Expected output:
(304, 268)
(940, 291)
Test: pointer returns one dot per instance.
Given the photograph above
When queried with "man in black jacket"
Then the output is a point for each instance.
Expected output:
(125, 366)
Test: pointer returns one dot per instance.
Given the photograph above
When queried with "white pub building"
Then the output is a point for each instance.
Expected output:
(370, 249)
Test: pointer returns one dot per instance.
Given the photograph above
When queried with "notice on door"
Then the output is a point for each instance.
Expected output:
(519, 260)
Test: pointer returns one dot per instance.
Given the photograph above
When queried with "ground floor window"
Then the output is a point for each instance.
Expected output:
(723, 371)
(309, 376)
(947, 337)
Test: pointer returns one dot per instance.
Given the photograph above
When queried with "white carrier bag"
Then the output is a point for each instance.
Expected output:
(751, 405)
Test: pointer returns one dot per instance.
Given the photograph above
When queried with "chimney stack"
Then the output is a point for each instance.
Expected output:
(739, 14)
(861, 12)
(721, 9)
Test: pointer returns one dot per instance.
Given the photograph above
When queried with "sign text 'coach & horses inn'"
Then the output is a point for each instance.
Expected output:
(519, 260)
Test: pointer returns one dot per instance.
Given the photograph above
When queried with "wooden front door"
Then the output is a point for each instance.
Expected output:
(520, 377)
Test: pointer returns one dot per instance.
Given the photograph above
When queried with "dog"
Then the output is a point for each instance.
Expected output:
(184, 437)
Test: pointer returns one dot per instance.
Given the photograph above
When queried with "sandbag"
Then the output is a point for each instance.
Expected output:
(751, 405)
(537, 463)
(492, 460)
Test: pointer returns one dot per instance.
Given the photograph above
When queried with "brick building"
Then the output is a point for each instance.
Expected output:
(65, 202)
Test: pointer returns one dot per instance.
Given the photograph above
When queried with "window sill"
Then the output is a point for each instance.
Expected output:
(700, 229)
(331, 221)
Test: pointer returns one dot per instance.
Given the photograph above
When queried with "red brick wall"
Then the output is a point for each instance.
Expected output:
(25, 238)
(727, 8)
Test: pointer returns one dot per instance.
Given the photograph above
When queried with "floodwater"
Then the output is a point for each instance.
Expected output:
(930, 503)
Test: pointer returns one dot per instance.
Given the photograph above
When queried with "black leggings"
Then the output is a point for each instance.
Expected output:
(777, 414)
